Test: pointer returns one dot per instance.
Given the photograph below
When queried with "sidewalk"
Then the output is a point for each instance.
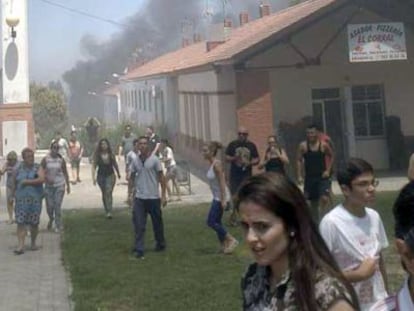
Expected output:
(35, 280)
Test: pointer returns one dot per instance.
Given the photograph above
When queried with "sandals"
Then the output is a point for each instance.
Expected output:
(18, 252)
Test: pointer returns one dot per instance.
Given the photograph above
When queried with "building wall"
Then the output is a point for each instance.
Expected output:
(15, 81)
(110, 116)
(151, 102)
(15, 60)
(255, 110)
(18, 112)
(207, 110)
(291, 87)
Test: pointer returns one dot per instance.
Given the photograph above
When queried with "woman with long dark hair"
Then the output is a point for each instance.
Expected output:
(104, 161)
(294, 269)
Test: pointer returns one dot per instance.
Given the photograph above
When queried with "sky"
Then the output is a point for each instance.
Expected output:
(54, 34)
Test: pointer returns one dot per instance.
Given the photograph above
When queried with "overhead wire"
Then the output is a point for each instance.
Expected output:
(84, 13)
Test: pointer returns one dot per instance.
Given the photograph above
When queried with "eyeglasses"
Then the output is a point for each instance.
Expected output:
(365, 184)
(271, 142)
(243, 133)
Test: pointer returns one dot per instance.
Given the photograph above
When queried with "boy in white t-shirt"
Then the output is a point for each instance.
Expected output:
(355, 234)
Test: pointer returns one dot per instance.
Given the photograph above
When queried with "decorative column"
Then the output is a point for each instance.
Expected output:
(16, 116)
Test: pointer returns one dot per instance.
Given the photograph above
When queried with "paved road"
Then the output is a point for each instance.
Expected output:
(37, 280)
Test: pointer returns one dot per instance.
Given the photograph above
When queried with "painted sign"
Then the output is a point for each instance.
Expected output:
(376, 42)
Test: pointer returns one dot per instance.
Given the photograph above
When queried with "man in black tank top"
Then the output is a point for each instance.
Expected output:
(311, 162)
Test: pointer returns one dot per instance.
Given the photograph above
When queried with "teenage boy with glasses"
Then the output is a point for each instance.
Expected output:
(242, 155)
(355, 235)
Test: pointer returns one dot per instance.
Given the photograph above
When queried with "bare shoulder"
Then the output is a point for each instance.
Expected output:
(218, 165)
(325, 146)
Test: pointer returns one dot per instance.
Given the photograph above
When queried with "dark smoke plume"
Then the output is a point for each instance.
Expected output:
(151, 32)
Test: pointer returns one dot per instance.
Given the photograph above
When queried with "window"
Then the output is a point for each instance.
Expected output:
(186, 115)
(368, 110)
(131, 98)
(187, 119)
(140, 100)
(199, 116)
(144, 97)
(325, 93)
(149, 101)
(192, 116)
(318, 115)
(321, 98)
(162, 106)
(207, 126)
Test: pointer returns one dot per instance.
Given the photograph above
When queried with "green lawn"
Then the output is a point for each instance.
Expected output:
(190, 275)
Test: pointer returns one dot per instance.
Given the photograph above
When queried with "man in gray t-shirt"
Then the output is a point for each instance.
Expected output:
(148, 176)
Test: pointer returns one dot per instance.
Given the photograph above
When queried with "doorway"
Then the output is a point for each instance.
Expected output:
(328, 114)
(14, 136)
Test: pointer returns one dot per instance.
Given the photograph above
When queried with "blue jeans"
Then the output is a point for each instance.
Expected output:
(214, 220)
(54, 197)
(106, 184)
(143, 207)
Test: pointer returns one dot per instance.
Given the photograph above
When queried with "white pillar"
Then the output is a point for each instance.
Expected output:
(349, 120)
(15, 54)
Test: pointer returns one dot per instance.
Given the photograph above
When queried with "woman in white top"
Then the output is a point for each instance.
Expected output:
(171, 168)
(215, 176)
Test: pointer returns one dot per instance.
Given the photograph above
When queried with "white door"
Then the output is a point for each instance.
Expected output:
(14, 136)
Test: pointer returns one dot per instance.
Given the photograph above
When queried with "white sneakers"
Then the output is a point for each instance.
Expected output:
(231, 245)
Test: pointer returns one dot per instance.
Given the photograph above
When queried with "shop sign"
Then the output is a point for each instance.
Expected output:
(376, 42)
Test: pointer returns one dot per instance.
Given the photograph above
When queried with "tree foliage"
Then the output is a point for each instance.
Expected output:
(50, 111)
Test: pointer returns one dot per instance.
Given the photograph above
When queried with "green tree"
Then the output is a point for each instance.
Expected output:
(50, 112)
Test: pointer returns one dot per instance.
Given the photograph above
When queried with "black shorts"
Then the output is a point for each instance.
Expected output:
(317, 187)
(235, 184)
(75, 163)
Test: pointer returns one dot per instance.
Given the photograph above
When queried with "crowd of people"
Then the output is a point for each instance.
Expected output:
(28, 183)
(308, 254)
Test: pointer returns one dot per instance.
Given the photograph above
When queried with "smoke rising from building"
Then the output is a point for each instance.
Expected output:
(153, 31)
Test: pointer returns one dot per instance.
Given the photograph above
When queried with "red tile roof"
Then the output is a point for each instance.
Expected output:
(241, 39)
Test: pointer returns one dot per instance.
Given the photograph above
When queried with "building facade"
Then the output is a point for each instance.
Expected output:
(288, 69)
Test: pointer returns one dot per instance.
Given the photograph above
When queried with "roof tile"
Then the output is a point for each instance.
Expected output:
(241, 39)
